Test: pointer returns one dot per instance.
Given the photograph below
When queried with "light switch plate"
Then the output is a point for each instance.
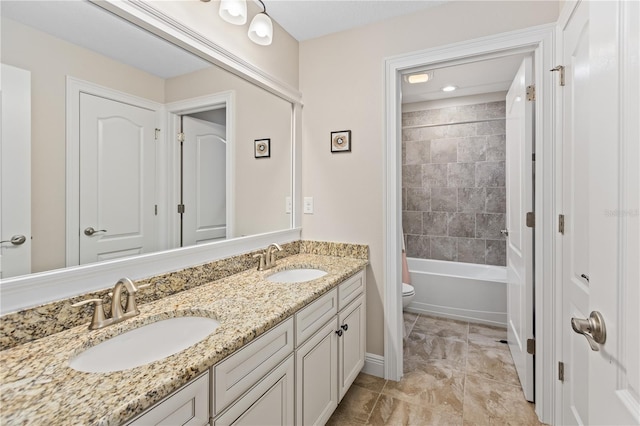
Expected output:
(308, 205)
(288, 206)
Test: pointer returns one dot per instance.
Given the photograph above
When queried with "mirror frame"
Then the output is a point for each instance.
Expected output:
(35, 289)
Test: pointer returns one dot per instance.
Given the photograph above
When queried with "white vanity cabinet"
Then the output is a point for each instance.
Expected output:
(189, 405)
(329, 360)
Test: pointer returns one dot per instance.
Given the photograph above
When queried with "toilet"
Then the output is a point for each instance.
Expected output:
(408, 293)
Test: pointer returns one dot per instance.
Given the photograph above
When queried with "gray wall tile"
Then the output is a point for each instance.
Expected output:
(472, 149)
(471, 250)
(489, 225)
(412, 222)
(461, 225)
(460, 175)
(418, 199)
(490, 174)
(443, 248)
(434, 223)
(471, 200)
(453, 195)
(443, 151)
(417, 152)
(496, 252)
(496, 201)
(444, 199)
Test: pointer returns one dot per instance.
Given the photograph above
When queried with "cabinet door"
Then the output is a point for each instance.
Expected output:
(188, 406)
(269, 403)
(316, 377)
(351, 345)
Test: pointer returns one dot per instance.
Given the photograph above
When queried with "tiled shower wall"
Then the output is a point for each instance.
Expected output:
(453, 183)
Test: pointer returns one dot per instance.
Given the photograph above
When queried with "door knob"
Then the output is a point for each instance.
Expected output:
(16, 240)
(90, 231)
(504, 232)
(592, 329)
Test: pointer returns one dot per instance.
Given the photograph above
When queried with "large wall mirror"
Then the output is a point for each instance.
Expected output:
(135, 145)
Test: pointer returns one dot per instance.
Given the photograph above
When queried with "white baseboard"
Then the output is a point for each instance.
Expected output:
(498, 319)
(373, 365)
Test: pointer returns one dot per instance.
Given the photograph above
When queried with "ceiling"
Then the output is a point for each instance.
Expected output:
(307, 19)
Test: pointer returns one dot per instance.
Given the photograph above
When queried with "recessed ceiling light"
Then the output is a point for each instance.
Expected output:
(449, 88)
(418, 78)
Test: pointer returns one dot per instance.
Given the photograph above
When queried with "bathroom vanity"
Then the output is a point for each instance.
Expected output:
(283, 353)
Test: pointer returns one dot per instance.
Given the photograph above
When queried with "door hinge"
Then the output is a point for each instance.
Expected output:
(561, 224)
(180, 137)
(156, 210)
(560, 69)
(531, 219)
(180, 208)
(531, 93)
(157, 134)
(531, 346)
(533, 157)
(561, 371)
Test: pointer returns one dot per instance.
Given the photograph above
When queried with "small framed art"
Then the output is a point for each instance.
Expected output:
(262, 148)
(341, 141)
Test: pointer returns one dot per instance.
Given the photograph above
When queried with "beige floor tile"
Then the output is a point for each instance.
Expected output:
(489, 362)
(355, 407)
(442, 327)
(439, 388)
(391, 411)
(486, 333)
(421, 349)
(487, 402)
(372, 383)
(409, 321)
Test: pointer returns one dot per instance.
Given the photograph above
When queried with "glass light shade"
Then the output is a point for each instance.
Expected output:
(233, 11)
(261, 30)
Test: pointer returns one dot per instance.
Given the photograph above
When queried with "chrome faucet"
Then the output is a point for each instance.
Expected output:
(99, 319)
(268, 258)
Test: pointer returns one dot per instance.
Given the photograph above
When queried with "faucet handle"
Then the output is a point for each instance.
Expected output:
(98, 319)
(261, 264)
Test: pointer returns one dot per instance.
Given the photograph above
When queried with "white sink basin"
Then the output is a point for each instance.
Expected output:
(145, 344)
(296, 275)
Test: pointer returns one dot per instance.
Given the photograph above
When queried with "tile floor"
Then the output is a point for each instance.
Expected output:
(455, 373)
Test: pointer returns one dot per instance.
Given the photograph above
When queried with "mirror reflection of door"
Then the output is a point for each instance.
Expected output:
(204, 152)
(117, 179)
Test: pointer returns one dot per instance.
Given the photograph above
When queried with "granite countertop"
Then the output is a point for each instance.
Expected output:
(38, 386)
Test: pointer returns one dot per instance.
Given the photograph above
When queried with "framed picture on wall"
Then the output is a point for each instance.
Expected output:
(262, 148)
(341, 141)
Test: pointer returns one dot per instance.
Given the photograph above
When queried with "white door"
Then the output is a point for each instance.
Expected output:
(204, 182)
(117, 179)
(15, 173)
(519, 187)
(601, 186)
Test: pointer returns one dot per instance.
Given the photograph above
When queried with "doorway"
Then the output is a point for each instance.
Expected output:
(535, 42)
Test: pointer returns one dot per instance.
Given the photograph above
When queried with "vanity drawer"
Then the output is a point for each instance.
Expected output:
(239, 372)
(188, 406)
(313, 317)
(349, 290)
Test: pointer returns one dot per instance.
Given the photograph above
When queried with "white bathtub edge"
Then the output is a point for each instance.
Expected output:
(498, 319)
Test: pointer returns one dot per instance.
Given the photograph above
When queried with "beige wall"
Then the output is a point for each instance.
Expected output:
(50, 60)
(342, 80)
(261, 185)
(280, 59)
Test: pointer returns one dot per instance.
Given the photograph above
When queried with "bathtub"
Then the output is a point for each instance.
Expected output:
(464, 291)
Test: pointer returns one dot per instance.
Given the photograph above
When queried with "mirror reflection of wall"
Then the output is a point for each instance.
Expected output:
(52, 55)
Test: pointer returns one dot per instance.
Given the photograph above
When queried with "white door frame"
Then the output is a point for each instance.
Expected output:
(73, 89)
(172, 184)
(541, 41)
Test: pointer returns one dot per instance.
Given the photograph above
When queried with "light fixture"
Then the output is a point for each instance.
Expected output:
(422, 77)
(261, 28)
(233, 11)
(449, 88)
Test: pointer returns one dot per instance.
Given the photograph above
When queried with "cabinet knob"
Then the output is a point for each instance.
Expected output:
(345, 327)
(339, 333)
